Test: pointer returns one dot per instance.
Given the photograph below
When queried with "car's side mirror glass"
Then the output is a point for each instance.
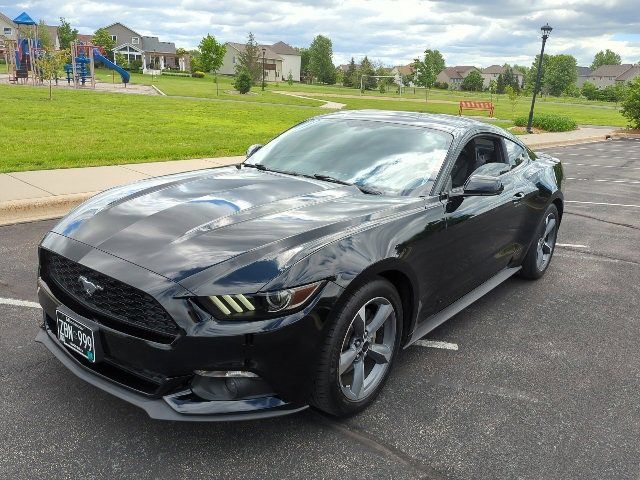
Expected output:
(253, 149)
(478, 185)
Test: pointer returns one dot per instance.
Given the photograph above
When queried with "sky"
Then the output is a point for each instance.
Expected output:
(393, 32)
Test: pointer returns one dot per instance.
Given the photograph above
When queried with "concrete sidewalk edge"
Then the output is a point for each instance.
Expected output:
(44, 208)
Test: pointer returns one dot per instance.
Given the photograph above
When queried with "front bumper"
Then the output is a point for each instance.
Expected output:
(156, 377)
(181, 406)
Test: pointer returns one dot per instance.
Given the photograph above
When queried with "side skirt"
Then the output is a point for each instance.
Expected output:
(442, 316)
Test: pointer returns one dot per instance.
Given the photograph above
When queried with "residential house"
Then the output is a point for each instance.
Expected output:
(629, 75)
(583, 75)
(606, 75)
(279, 60)
(154, 54)
(402, 71)
(453, 76)
(494, 71)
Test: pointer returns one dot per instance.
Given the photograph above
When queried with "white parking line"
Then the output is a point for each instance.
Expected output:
(437, 344)
(603, 203)
(19, 303)
(601, 166)
(573, 245)
(604, 180)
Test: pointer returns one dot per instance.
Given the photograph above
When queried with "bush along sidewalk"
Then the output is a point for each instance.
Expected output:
(548, 122)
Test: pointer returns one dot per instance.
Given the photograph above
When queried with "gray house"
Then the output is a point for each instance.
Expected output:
(583, 75)
(608, 74)
(154, 54)
(453, 76)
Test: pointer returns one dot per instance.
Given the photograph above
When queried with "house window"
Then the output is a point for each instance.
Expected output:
(135, 40)
(114, 38)
(7, 31)
(234, 60)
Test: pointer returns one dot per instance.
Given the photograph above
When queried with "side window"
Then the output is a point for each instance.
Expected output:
(515, 153)
(481, 156)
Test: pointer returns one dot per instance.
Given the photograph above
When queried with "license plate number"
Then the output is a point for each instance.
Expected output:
(76, 336)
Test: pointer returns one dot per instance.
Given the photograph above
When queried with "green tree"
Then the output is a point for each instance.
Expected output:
(472, 82)
(500, 85)
(532, 73)
(45, 38)
(243, 81)
(66, 34)
(250, 61)
(590, 91)
(510, 78)
(211, 56)
(320, 60)
(514, 97)
(121, 60)
(102, 38)
(560, 73)
(364, 75)
(605, 57)
(305, 75)
(631, 104)
(349, 79)
(427, 70)
(51, 63)
(290, 78)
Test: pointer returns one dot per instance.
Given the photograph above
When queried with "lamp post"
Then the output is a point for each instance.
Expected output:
(546, 31)
(264, 51)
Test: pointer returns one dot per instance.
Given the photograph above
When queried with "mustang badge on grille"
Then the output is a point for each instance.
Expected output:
(88, 286)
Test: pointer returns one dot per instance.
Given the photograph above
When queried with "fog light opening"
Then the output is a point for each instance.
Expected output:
(219, 385)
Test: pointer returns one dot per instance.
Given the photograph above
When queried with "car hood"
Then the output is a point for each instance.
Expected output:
(221, 220)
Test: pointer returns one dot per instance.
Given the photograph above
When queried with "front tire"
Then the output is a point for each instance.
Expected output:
(359, 350)
(541, 251)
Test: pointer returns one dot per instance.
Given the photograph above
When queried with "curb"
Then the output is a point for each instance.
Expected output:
(598, 138)
(44, 208)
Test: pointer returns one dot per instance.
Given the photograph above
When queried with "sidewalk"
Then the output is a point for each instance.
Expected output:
(42, 194)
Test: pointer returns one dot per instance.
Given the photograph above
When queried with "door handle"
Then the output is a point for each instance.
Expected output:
(517, 197)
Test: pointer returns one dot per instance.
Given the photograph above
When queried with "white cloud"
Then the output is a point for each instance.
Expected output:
(472, 32)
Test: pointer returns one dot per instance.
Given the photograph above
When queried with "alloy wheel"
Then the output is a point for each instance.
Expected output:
(367, 349)
(547, 242)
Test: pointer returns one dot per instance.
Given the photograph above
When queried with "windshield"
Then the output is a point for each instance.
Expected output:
(392, 158)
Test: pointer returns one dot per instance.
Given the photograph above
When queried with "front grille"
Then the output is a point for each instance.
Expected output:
(114, 303)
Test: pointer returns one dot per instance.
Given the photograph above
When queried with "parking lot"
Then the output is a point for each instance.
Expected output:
(544, 382)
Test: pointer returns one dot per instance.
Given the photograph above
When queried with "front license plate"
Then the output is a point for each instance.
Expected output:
(76, 336)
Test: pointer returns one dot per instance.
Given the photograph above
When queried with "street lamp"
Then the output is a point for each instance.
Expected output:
(546, 31)
(264, 50)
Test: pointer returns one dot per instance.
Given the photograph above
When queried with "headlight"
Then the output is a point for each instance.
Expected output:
(260, 305)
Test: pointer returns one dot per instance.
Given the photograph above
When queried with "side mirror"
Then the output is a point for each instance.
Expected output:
(480, 185)
(253, 149)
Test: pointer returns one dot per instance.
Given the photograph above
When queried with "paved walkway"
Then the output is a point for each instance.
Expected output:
(326, 103)
(35, 195)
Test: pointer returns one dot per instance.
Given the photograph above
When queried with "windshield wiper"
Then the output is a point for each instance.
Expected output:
(255, 165)
(363, 189)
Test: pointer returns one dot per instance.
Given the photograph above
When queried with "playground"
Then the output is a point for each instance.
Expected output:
(29, 62)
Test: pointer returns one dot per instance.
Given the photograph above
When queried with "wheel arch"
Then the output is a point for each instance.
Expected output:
(403, 280)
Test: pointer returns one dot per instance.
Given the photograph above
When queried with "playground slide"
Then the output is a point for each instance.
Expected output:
(97, 56)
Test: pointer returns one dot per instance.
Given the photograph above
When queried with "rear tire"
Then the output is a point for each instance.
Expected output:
(540, 252)
(358, 354)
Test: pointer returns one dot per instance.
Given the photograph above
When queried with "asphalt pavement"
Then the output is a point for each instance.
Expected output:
(543, 385)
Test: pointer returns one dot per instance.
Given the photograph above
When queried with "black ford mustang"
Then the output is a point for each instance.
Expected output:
(295, 278)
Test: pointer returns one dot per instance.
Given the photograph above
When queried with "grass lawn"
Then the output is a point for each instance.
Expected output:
(580, 113)
(206, 88)
(86, 128)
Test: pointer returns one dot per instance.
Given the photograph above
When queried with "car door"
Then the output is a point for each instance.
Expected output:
(481, 230)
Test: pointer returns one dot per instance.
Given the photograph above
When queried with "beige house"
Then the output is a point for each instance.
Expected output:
(629, 75)
(494, 71)
(608, 74)
(279, 60)
(583, 75)
(9, 31)
(453, 76)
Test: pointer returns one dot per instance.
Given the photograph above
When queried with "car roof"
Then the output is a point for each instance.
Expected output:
(448, 123)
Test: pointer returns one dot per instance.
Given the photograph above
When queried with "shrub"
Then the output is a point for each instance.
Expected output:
(197, 74)
(243, 81)
(175, 74)
(548, 122)
(631, 104)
